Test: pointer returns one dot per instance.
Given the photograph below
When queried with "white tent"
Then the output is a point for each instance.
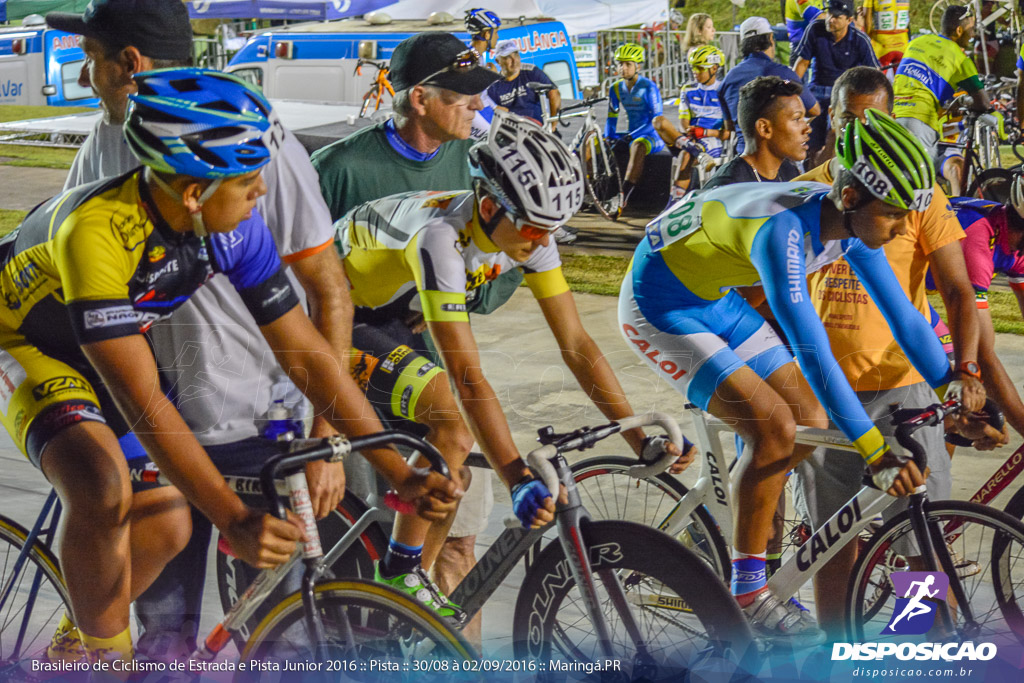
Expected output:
(579, 16)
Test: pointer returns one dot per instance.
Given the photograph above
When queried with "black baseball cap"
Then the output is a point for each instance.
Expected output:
(841, 7)
(160, 29)
(426, 56)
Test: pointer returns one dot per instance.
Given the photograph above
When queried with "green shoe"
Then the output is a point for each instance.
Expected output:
(417, 584)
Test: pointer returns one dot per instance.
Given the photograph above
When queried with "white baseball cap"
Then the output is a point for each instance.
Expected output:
(754, 26)
(505, 47)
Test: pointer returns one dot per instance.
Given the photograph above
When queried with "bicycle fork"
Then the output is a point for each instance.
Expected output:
(570, 537)
(932, 545)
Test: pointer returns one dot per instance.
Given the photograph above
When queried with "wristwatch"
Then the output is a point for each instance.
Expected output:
(969, 367)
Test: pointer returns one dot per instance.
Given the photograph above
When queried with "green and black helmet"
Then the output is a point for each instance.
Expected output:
(890, 162)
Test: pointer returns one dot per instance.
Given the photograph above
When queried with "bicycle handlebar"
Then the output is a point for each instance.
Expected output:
(587, 437)
(585, 104)
(334, 448)
(934, 415)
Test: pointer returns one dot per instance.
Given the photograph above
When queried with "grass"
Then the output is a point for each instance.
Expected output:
(17, 112)
(1002, 306)
(9, 220)
(594, 274)
(37, 157)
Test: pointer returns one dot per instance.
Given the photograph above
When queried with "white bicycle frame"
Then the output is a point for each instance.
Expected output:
(712, 490)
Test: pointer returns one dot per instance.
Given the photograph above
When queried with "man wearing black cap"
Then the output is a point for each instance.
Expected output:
(835, 46)
(121, 38)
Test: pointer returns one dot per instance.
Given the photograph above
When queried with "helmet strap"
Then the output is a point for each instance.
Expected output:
(198, 225)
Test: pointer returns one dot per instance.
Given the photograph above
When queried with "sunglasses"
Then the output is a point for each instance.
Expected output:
(528, 231)
(463, 62)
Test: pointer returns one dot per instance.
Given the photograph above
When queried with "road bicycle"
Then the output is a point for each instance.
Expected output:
(600, 590)
(326, 620)
(380, 85)
(601, 174)
(701, 518)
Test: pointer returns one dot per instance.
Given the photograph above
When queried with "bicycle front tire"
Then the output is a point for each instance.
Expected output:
(28, 618)
(609, 492)
(987, 540)
(386, 623)
(684, 612)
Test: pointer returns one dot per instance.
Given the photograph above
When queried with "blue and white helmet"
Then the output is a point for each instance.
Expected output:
(480, 19)
(200, 123)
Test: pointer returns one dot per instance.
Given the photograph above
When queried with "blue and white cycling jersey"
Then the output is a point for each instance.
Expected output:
(677, 301)
(642, 104)
(700, 105)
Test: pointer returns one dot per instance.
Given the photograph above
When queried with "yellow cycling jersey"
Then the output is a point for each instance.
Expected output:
(430, 244)
(798, 14)
(932, 69)
(890, 20)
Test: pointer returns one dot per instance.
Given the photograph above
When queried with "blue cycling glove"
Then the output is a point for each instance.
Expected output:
(528, 497)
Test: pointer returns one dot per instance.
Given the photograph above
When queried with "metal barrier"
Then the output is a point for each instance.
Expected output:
(666, 64)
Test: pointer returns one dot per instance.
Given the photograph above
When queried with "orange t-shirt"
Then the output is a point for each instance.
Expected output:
(860, 337)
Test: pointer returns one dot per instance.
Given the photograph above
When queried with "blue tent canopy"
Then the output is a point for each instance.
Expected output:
(310, 10)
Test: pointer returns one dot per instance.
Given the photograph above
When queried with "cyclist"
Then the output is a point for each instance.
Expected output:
(700, 113)
(86, 274)
(427, 253)
(678, 312)
(932, 69)
(482, 26)
(641, 99)
(994, 243)
(798, 15)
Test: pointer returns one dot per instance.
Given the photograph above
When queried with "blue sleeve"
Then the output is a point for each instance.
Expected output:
(654, 105)
(811, 12)
(248, 256)
(912, 330)
(867, 52)
(784, 72)
(537, 75)
(613, 112)
(778, 255)
(805, 48)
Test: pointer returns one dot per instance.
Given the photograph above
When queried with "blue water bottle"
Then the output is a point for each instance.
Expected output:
(280, 425)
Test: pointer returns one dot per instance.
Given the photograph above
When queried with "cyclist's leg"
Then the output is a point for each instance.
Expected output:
(56, 418)
(405, 384)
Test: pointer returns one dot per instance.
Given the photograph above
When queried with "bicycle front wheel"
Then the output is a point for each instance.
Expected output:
(609, 492)
(32, 601)
(985, 545)
(602, 177)
(386, 626)
(684, 613)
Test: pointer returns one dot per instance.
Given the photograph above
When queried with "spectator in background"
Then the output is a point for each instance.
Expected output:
(772, 118)
(934, 67)
(757, 45)
(513, 93)
(834, 45)
(887, 24)
(799, 14)
(700, 30)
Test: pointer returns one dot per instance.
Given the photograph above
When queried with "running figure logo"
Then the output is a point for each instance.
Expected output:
(915, 611)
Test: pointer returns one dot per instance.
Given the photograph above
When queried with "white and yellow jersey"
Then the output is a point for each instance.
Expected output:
(430, 243)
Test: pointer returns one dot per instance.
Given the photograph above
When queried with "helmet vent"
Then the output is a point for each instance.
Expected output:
(220, 105)
(185, 85)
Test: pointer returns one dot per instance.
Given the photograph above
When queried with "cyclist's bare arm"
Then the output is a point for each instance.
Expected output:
(320, 372)
(330, 308)
(950, 272)
(997, 382)
(590, 367)
(554, 101)
(129, 371)
(980, 100)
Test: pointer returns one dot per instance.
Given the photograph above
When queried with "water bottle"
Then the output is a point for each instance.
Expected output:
(280, 425)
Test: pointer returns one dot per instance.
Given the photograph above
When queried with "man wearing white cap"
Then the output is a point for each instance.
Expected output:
(512, 92)
(757, 45)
